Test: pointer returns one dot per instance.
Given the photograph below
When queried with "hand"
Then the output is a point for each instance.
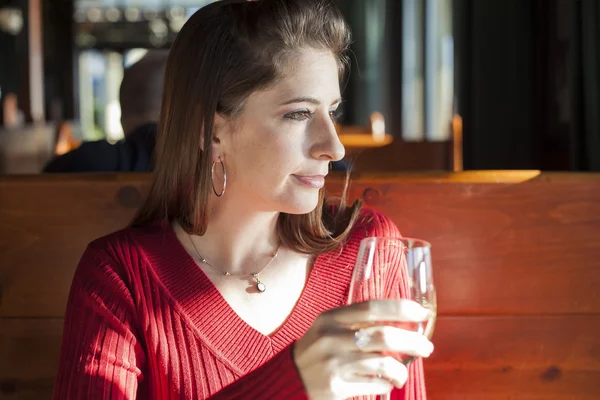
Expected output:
(335, 362)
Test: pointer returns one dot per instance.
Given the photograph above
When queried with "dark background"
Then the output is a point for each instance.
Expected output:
(527, 77)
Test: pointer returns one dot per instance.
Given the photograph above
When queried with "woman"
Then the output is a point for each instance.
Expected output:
(231, 281)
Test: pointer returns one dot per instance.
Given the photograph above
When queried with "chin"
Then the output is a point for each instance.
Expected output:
(300, 204)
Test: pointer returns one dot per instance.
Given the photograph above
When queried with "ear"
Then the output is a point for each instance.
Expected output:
(220, 129)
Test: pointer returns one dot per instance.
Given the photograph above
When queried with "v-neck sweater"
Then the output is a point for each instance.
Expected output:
(143, 321)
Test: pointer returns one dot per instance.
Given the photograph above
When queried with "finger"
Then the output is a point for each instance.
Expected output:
(380, 310)
(376, 339)
(373, 369)
(362, 374)
(392, 339)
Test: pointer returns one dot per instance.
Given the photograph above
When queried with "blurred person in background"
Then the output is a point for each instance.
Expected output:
(140, 96)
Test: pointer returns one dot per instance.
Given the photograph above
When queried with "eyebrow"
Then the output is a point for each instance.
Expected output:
(308, 99)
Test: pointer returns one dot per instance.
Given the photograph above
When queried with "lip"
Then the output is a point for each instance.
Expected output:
(313, 181)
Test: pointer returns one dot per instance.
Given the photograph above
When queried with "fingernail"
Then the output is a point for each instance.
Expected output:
(419, 312)
(428, 348)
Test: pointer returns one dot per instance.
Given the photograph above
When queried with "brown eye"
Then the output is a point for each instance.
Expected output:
(298, 115)
(335, 115)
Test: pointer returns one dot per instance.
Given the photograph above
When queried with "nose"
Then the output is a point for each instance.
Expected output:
(326, 143)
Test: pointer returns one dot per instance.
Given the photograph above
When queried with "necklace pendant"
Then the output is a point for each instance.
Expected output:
(261, 287)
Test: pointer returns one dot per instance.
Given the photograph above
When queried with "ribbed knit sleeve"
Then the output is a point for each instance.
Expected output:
(100, 357)
(276, 379)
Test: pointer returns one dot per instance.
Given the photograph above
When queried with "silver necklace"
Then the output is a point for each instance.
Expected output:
(260, 286)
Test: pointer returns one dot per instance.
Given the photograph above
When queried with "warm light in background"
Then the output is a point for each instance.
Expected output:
(377, 126)
(457, 139)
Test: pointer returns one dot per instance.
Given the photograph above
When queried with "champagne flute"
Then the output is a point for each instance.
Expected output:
(388, 268)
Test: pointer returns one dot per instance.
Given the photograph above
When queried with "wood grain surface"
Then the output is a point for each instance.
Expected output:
(516, 258)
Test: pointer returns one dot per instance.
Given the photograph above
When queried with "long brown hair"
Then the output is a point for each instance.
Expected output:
(226, 51)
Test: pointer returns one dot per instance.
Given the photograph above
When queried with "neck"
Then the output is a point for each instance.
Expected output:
(237, 240)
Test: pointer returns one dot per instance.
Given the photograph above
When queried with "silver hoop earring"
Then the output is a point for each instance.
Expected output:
(212, 178)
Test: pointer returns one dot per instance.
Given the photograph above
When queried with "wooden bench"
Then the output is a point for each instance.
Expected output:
(25, 150)
(516, 258)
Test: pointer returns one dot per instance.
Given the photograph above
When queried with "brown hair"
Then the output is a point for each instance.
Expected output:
(226, 51)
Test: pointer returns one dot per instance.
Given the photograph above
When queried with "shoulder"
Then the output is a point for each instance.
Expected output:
(337, 265)
(124, 244)
(89, 157)
(371, 222)
(114, 245)
(118, 254)
(376, 223)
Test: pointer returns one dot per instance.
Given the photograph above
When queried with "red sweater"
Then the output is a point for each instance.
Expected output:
(143, 321)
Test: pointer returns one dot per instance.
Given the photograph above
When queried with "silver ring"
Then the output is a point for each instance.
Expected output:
(361, 339)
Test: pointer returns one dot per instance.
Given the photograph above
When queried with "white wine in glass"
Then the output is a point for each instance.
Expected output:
(391, 268)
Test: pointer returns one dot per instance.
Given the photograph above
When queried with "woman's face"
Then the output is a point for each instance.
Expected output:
(277, 150)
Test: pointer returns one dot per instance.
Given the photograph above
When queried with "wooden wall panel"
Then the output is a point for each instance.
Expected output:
(515, 357)
(45, 228)
(516, 258)
(509, 248)
(29, 351)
